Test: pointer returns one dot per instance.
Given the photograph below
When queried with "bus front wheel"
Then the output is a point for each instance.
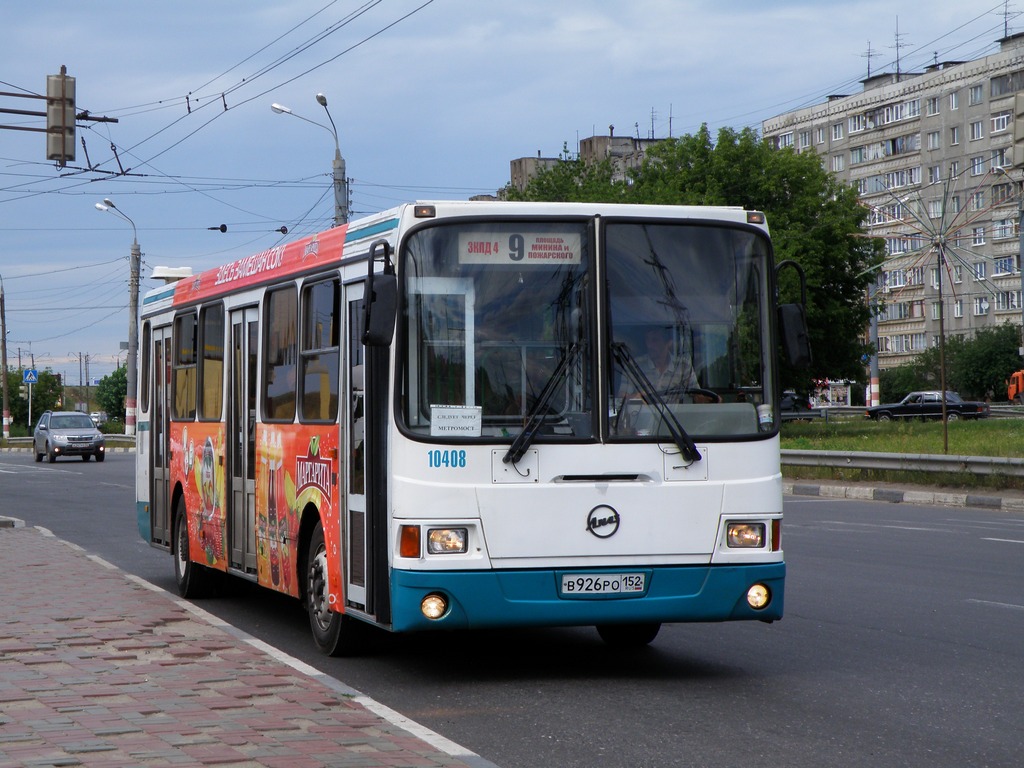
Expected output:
(628, 635)
(335, 634)
(193, 580)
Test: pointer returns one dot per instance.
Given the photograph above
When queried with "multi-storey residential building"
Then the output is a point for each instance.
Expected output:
(932, 154)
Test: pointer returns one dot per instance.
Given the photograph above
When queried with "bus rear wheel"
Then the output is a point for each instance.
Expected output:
(194, 580)
(335, 634)
(628, 635)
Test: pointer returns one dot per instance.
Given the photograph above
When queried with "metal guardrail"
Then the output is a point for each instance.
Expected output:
(907, 462)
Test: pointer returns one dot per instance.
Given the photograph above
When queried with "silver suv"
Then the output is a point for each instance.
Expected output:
(67, 433)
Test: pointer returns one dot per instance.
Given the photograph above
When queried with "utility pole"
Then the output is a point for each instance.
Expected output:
(3, 353)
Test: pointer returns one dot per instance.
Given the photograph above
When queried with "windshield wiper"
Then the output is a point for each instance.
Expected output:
(534, 417)
(687, 447)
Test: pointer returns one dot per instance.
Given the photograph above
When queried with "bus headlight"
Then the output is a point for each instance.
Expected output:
(447, 541)
(434, 606)
(745, 535)
(758, 596)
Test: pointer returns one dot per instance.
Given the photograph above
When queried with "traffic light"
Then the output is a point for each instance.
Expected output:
(60, 117)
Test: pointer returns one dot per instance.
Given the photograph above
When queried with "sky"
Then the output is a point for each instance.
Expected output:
(431, 99)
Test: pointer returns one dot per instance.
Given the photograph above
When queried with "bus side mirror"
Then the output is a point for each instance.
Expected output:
(796, 342)
(381, 300)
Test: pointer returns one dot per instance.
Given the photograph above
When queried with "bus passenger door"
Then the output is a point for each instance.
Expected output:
(366, 507)
(355, 525)
(159, 492)
(241, 430)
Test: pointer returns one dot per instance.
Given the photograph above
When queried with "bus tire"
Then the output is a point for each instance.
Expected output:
(194, 580)
(335, 634)
(628, 635)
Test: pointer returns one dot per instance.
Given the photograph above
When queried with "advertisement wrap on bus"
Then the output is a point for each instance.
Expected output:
(453, 415)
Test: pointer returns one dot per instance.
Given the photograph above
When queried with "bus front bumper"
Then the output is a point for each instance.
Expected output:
(479, 599)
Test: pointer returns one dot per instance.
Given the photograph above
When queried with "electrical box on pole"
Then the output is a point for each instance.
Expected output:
(60, 117)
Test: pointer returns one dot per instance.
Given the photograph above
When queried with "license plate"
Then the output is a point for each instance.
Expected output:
(603, 583)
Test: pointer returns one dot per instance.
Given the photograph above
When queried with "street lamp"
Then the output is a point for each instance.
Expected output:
(134, 262)
(340, 182)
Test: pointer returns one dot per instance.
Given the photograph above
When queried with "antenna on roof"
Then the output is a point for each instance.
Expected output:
(869, 55)
(899, 44)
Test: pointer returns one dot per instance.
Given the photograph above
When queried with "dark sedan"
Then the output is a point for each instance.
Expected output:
(928, 405)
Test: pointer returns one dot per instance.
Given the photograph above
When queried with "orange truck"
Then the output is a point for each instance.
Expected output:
(1015, 387)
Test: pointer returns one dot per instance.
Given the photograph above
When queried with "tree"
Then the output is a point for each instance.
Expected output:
(111, 392)
(46, 395)
(814, 219)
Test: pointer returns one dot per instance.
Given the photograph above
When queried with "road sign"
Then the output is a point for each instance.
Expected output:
(30, 376)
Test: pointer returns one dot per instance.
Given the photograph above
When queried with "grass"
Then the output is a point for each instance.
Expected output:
(986, 437)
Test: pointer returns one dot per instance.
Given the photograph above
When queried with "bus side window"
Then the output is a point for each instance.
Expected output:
(281, 353)
(184, 380)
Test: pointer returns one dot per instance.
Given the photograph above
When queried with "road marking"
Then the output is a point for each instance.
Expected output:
(1011, 606)
(1009, 541)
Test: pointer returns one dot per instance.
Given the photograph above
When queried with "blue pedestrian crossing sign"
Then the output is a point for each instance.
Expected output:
(30, 376)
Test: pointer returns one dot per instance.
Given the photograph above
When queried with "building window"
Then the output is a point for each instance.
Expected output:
(819, 135)
(958, 274)
(1001, 121)
(954, 135)
(837, 132)
(1002, 229)
(954, 100)
(857, 123)
(935, 277)
(838, 163)
(934, 209)
(977, 166)
(936, 308)
(977, 200)
(1000, 158)
(978, 238)
(805, 139)
(934, 174)
(1007, 300)
(932, 105)
(977, 130)
(958, 308)
(975, 95)
(981, 306)
(1001, 193)
(785, 140)
(934, 140)
(857, 155)
(954, 169)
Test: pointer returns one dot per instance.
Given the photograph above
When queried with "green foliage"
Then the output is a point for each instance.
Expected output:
(46, 395)
(111, 392)
(977, 367)
(815, 220)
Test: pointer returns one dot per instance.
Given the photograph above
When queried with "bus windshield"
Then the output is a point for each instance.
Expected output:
(491, 313)
(688, 307)
(500, 325)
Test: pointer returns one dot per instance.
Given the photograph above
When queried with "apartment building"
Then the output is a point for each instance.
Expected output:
(932, 154)
(624, 152)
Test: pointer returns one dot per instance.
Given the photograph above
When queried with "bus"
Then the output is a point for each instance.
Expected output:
(443, 416)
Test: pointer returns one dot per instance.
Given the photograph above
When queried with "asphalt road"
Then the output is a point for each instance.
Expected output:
(902, 645)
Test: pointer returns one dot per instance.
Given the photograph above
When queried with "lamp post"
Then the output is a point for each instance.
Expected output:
(131, 361)
(340, 181)
(3, 353)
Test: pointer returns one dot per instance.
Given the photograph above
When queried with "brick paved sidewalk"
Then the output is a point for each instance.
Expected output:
(98, 670)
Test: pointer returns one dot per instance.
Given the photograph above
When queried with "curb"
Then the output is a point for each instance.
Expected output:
(896, 496)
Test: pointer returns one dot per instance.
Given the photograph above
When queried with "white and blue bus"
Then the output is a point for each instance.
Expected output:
(458, 415)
